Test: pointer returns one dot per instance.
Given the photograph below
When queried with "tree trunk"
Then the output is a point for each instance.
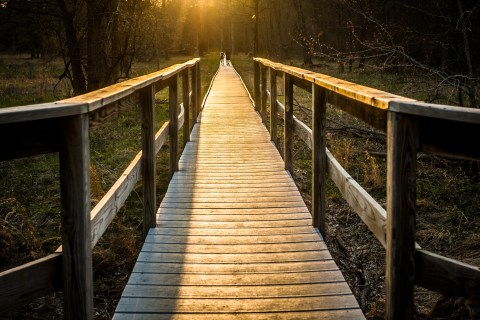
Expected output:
(73, 47)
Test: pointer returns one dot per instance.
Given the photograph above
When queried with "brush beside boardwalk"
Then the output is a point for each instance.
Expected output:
(247, 205)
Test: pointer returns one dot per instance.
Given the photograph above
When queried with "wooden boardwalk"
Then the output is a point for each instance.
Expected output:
(234, 238)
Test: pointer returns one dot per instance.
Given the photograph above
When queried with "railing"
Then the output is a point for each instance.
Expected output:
(64, 127)
(411, 127)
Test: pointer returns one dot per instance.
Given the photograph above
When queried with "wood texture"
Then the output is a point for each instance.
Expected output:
(319, 158)
(401, 207)
(147, 98)
(273, 107)
(256, 86)
(30, 281)
(288, 123)
(234, 238)
(76, 234)
(263, 93)
(186, 106)
(173, 123)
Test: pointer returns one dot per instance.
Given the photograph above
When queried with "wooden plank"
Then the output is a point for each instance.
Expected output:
(319, 158)
(447, 276)
(211, 231)
(345, 314)
(238, 268)
(151, 305)
(29, 138)
(232, 249)
(173, 124)
(41, 111)
(234, 225)
(263, 93)
(288, 123)
(195, 96)
(147, 97)
(283, 257)
(401, 207)
(273, 107)
(186, 106)
(231, 292)
(30, 281)
(231, 240)
(256, 86)
(76, 234)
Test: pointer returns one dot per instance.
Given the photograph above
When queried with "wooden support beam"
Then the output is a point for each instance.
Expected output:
(263, 94)
(256, 86)
(147, 98)
(402, 145)
(195, 97)
(186, 107)
(199, 90)
(319, 157)
(273, 106)
(173, 127)
(76, 235)
(288, 122)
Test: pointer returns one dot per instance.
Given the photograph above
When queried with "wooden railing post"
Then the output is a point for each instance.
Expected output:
(173, 127)
(256, 85)
(186, 107)
(147, 100)
(273, 106)
(263, 94)
(76, 235)
(319, 158)
(402, 144)
(288, 122)
(195, 97)
(199, 90)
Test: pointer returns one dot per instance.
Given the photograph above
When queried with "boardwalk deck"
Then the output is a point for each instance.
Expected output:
(234, 237)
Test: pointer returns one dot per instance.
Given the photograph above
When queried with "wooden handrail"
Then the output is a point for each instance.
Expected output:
(411, 127)
(63, 127)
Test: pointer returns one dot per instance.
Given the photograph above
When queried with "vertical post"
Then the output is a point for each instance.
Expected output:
(319, 157)
(147, 100)
(256, 85)
(288, 124)
(195, 97)
(199, 90)
(402, 145)
(186, 107)
(76, 234)
(263, 92)
(173, 126)
(273, 106)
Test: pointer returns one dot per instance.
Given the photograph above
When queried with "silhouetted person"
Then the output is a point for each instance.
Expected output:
(227, 54)
(222, 58)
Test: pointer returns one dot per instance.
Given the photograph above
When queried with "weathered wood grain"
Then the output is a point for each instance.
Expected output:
(233, 228)
(173, 123)
(76, 234)
(149, 172)
(273, 106)
(401, 207)
(319, 158)
(186, 106)
(30, 281)
(288, 123)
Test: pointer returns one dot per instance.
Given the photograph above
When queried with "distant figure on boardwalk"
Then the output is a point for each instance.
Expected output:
(227, 57)
(222, 59)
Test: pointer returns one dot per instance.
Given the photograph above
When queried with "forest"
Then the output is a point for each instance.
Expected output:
(99, 41)
(424, 50)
